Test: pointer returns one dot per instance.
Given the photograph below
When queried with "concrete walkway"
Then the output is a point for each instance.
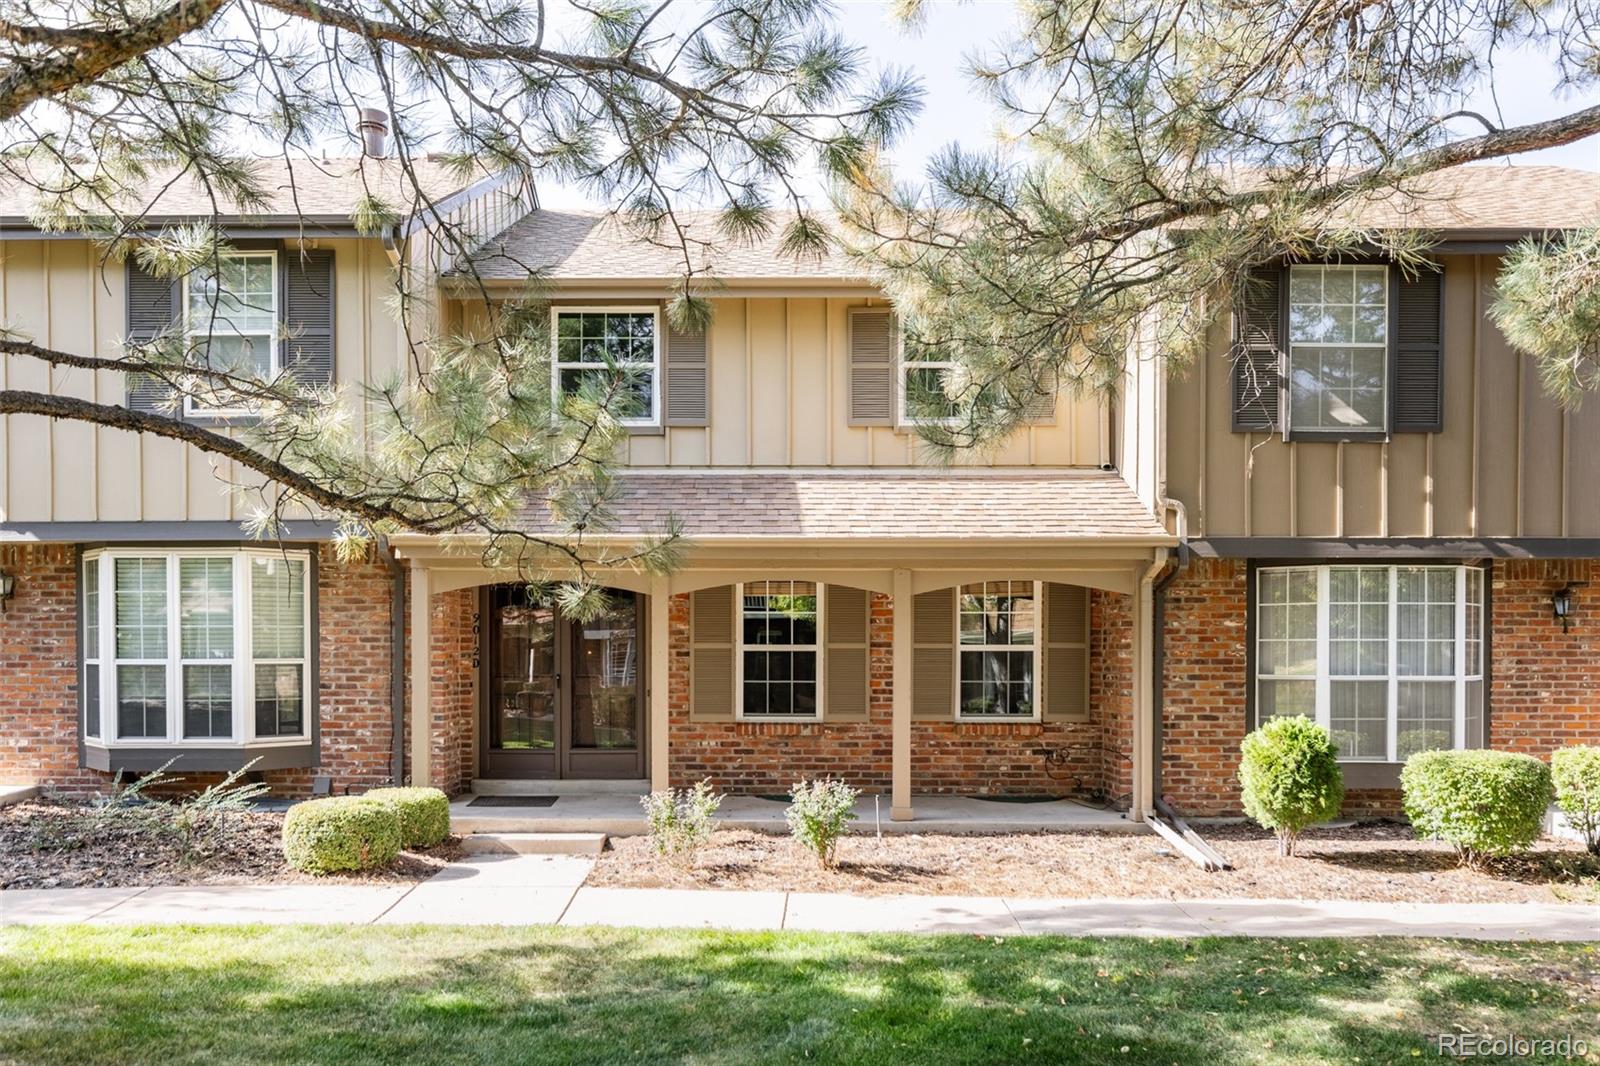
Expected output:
(548, 890)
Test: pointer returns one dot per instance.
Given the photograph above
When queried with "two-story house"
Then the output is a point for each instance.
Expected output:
(1100, 607)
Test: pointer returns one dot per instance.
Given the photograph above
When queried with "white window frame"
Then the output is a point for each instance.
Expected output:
(556, 365)
(902, 394)
(196, 333)
(820, 648)
(1383, 347)
(242, 662)
(1323, 678)
(1037, 648)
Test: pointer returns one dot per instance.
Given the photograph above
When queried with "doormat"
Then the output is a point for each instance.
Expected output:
(512, 801)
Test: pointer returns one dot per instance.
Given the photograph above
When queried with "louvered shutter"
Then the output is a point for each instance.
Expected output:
(848, 653)
(152, 309)
(1066, 653)
(1257, 352)
(933, 655)
(711, 622)
(306, 348)
(688, 379)
(1418, 387)
(872, 367)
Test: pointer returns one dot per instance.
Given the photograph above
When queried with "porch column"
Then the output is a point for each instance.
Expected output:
(421, 674)
(900, 768)
(660, 683)
(1143, 660)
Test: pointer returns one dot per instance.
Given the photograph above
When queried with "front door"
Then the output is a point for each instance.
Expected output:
(562, 698)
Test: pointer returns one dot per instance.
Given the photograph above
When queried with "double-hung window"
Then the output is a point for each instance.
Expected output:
(1388, 658)
(204, 647)
(780, 648)
(231, 318)
(601, 345)
(998, 635)
(1338, 349)
(923, 397)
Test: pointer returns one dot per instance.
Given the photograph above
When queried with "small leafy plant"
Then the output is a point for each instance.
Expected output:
(424, 814)
(1289, 778)
(818, 815)
(1487, 804)
(1576, 774)
(681, 821)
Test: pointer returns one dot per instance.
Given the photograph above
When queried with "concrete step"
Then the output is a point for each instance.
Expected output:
(492, 787)
(17, 793)
(533, 843)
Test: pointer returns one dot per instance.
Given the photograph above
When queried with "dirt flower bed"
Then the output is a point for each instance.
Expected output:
(56, 845)
(1366, 862)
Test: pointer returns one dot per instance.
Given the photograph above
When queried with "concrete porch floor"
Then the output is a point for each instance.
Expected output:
(621, 815)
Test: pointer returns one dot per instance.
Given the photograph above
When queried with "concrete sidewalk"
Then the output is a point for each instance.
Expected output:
(549, 890)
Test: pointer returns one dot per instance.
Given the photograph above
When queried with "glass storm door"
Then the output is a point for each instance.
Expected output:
(562, 698)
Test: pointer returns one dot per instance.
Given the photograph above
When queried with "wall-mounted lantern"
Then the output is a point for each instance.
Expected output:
(1561, 605)
(8, 588)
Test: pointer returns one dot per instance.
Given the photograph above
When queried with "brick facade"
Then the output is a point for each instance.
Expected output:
(968, 758)
(1542, 688)
(454, 704)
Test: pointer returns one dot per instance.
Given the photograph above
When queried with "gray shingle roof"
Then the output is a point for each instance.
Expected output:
(873, 505)
(323, 190)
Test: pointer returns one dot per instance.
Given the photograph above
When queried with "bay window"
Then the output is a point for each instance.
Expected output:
(1388, 658)
(206, 647)
(997, 633)
(779, 649)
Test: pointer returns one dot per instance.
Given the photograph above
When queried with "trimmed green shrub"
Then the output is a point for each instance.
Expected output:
(818, 814)
(1289, 778)
(1576, 773)
(340, 833)
(680, 820)
(424, 814)
(1485, 803)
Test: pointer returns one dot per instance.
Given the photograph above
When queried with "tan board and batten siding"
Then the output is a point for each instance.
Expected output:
(779, 395)
(58, 293)
(1508, 463)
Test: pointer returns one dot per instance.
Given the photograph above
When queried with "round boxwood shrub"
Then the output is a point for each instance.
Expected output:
(340, 833)
(424, 814)
(1289, 778)
(1484, 803)
(1576, 771)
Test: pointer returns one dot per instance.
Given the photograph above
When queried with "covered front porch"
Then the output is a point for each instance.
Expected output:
(963, 680)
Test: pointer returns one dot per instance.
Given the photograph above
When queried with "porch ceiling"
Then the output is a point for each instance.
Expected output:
(994, 507)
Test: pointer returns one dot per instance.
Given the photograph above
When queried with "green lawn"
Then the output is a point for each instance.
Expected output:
(437, 995)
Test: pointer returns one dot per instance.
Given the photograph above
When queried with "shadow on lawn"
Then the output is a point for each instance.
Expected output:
(588, 996)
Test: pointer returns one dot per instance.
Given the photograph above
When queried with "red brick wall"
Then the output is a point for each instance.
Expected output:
(454, 704)
(958, 758)
(1203, 716)
(39, 671)
(1545, 689)
(39, 690)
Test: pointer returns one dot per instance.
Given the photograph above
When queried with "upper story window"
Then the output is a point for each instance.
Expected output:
(922, 386)
(201, 646)
(997, 629)
(779, 649)
(231, 313)
(595, 343)
(1388, 658)
(1338, 348)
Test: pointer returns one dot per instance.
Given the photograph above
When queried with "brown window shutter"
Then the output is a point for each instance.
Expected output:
(151, 311)
(711, 622)
(306, 281)
(1258, 351)
(687, 379)
(1417, 391)
(848, 653)
(872, 367)
(933, 656)
(1066, 653)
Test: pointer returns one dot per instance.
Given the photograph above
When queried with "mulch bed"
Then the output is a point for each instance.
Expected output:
(1377, 861)
(46, 844)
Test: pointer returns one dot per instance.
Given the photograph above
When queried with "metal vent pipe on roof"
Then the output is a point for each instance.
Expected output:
(374, 130)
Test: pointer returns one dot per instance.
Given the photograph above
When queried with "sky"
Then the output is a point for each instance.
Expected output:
(953, 110)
